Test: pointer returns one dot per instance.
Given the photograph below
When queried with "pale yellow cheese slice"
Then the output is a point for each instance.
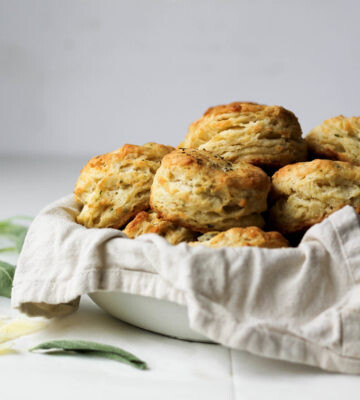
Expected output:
(3, 320)
(5, 348)
(13, 329)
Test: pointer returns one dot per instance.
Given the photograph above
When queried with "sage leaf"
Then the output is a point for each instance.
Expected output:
(7, 272)
(13, 232)
(7, 249)
(91, 348)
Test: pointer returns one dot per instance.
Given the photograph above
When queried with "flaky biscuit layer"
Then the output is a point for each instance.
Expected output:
(199, 190)
(337, 138)
(262, 135)
(115, 186)
(306, 193)
(150, 222)
(238, 237)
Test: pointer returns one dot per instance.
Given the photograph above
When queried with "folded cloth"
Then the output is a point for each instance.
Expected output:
(297, 304)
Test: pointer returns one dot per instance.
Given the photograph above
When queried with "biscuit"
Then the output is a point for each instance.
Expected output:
(236, 237)
(149, 222)
(115, 186)
(306, 193)
(337, 138)
(203, 192)
(268, 136)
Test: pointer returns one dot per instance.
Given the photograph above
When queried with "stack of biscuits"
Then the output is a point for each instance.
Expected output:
(215, 189)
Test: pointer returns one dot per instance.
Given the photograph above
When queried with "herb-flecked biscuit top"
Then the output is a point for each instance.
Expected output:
(150, 222)
(306, 193)
(203, 192)
(115, 186)
(238, 237)
(337, 138)
(262, 135)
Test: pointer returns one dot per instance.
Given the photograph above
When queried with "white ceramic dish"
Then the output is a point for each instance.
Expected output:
(148, 313)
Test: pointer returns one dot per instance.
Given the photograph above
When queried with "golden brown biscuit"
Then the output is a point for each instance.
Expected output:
(236, 237)
(115, 186)
(262, 135)
(149, 222)
(207, 236)
(337, 138)
(203, 192)
(306, 193)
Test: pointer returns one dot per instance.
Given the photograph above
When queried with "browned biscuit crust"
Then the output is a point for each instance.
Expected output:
(268, 136)
(237, 237)
(306, 193)
(201, 191)
(337, 138)
(115, 186)
(150, 222)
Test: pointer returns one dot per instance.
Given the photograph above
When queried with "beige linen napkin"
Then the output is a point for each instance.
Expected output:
(299, 304)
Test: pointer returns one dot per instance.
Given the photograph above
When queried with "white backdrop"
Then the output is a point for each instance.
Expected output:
(83, 77)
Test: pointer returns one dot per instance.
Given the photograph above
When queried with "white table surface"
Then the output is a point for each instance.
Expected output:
(178, 369)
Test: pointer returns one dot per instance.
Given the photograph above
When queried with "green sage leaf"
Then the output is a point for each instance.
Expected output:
(13, 232)
(7, 249)
(91, 348)
(7, 272)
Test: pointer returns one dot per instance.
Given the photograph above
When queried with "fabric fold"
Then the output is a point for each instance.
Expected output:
(297, 304)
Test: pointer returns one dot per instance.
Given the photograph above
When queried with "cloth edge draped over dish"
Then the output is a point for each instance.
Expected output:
(298, 304)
